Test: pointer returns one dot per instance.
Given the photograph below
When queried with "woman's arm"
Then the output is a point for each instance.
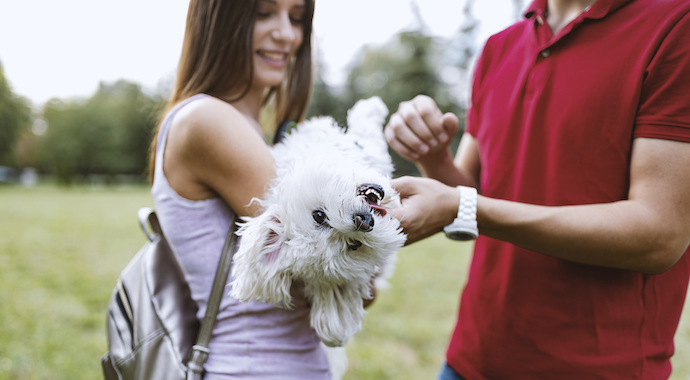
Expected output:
(213, 150)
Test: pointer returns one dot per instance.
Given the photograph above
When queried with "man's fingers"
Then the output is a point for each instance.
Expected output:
(404, 186)
(450, 123)
(396, 213)
(403, 140)
(419, 127)
(432, 117)
(403, 150)
(414, 120)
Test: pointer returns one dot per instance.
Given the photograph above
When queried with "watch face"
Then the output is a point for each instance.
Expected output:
(460, 235)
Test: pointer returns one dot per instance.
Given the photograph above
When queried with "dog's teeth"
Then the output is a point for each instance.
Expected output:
(372, 191)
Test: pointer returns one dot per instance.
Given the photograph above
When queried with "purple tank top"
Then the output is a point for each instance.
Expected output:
(250, 340)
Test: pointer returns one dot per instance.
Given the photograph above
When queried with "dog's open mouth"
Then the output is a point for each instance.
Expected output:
(373, 194)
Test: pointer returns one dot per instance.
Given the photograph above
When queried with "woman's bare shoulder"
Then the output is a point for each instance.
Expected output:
(211, 148)
(210, 122)
(207, 113)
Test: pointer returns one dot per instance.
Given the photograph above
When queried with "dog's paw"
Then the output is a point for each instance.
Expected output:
(372, 109)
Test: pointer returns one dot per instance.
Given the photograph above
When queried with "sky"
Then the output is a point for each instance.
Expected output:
(65, 48)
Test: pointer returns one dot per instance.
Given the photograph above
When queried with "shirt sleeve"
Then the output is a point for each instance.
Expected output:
(664, 108)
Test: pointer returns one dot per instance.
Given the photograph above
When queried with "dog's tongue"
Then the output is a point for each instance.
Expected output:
(381, 210)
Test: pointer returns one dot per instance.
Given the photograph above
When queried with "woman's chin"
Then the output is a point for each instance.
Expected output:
(271, 80)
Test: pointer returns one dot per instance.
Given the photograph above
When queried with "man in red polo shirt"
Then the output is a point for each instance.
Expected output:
(578, 140)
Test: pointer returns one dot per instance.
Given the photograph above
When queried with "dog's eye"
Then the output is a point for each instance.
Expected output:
(320, 217)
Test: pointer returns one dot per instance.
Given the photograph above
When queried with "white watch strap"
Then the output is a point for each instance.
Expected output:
(467, 210)
(464, 227)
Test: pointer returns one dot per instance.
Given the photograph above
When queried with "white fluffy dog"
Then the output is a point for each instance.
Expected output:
(324, 222)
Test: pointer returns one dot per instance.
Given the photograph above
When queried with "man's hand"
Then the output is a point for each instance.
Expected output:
(418, 131)
(427, 206)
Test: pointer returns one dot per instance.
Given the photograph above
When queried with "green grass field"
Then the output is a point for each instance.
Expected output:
(61, 251)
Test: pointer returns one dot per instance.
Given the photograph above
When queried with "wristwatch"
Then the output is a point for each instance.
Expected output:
(464, 227)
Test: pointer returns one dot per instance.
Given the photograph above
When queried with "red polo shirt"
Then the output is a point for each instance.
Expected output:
(554, 118)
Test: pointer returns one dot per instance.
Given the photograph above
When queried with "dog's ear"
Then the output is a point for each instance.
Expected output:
(260, 272)
(336, 312)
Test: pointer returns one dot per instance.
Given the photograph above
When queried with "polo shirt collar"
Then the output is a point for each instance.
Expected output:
(599, 10)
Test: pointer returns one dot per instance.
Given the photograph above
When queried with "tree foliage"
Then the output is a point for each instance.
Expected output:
(396, 72)
(410, 64)
(407, 66)
(323, 100)
(107, 134)
(15, 117)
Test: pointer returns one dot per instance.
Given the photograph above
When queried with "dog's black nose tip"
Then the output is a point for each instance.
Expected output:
(364, 221)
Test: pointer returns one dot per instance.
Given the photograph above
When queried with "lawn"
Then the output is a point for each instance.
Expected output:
(61, 251)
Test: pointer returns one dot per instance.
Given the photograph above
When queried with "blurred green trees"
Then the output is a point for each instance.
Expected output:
(400, 70)
(409, 64)
(405, 67)
(108, 134)
(15, 118)
(323, 100)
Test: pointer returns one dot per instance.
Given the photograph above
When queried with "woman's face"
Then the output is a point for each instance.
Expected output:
(277, 36)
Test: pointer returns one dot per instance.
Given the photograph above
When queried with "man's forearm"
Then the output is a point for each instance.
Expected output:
(442, 168)
(625, 234)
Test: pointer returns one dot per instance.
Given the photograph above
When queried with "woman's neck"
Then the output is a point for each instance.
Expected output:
(251, 103)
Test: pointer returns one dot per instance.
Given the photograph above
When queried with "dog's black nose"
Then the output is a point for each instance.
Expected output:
(364, 221)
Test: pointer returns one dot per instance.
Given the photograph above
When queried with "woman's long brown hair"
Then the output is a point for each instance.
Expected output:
(217, 59)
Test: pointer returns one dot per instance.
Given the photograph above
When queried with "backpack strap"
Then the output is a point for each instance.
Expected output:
(146, 217)
(195, 366)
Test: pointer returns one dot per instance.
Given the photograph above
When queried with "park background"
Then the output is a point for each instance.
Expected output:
(81, 83)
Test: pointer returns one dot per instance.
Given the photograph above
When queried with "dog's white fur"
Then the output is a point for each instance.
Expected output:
(320, 167)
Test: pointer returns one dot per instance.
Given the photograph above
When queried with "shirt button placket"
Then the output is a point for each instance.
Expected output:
(545, 53)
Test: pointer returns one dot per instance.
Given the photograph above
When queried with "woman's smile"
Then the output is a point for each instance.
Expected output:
(274, 58)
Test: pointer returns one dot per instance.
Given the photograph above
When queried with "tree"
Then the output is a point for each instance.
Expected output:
(107, 134)
(406, 66)
(15, 117)
(415, 63)
(323, 101)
